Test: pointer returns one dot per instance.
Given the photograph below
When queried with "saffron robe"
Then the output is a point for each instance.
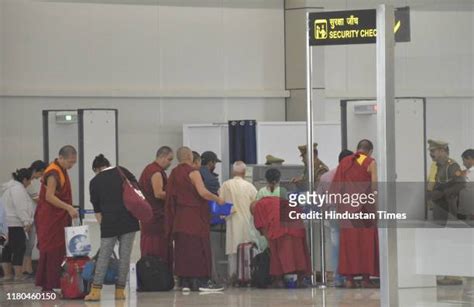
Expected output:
(358, 240)
(50, 222)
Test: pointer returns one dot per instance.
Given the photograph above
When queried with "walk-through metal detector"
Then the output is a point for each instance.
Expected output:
(359, 121)
(91, 132)
(363, 27)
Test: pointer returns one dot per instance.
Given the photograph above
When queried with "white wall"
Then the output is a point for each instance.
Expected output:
(451, 120)
(160, 65)
(437, 62)
(77, 49)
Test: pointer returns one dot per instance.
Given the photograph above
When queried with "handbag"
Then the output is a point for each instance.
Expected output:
(111, 275)
(153, 274)
(77, 238)
(134, 200)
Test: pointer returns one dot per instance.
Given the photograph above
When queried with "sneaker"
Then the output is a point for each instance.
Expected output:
(185, 285)
(210, 286)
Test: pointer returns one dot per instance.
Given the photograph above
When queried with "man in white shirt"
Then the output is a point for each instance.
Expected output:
(466, 196)
(240, 229)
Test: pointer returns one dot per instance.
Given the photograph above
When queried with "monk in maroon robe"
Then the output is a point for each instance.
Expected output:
(358, 239)
(153, 183)
(286, 238)
(54, 212)
(187, 220)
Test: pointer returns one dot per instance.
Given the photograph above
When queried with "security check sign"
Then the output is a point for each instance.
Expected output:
(353, 27)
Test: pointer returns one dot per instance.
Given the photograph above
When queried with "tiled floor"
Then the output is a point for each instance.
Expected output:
(428, 297)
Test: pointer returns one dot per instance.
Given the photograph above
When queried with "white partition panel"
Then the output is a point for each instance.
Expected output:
(210, 137)
(282, 139)
(97, 135)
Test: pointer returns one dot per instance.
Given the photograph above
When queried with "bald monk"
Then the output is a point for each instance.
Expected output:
(54, 212)
(188, 224)
(286, 239)
(153, 181)
(358, 239)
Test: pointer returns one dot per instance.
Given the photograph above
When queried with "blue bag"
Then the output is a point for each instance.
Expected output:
(111, 275)
(217, 211)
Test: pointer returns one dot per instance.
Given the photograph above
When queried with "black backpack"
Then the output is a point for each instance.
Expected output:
(153, 274)
(261, 270)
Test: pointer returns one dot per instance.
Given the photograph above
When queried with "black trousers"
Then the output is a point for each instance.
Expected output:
(14, 250)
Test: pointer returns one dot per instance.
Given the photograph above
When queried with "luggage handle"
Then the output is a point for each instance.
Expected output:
(79, 216)
(254, 236)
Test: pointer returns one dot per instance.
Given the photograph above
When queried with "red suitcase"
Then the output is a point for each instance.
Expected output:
(245, 253)
(72, 284)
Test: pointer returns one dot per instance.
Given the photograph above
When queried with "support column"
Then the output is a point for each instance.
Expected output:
(386, 152)
(309, 143)
(295, 82)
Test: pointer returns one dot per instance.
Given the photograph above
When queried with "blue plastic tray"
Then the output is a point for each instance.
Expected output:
(217, 211)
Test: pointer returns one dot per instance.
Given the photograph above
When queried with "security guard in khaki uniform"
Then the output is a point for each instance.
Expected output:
(448, 182)
(319, 167)
(444, 184)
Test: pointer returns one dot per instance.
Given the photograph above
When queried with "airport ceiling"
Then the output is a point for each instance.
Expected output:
(423, 5)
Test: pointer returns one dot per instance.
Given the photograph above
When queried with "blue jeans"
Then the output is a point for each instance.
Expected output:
(334, 225)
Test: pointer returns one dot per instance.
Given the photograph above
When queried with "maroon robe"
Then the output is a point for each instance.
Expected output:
(286, 239)
(50, 222)
(187, 221)
(153, 241)
(358, 240)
